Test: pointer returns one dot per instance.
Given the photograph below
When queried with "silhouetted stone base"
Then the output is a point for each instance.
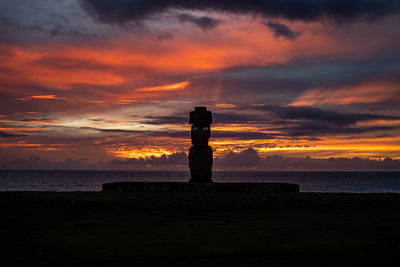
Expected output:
(199, 187)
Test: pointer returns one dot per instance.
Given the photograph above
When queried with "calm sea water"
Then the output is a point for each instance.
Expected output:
(359, 182)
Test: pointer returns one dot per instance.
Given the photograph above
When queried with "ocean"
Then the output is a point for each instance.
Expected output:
(357, 182)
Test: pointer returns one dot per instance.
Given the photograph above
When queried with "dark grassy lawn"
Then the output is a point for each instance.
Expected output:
(239, 229)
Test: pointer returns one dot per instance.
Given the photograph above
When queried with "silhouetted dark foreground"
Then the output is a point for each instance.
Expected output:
(208, 228)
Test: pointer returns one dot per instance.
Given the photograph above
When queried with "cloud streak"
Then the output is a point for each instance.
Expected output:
(166, 87)
(120, 11)
(8, 135)
(368, 92)
(46, 97)
(204, 22)
(323, 116)
(281, 30)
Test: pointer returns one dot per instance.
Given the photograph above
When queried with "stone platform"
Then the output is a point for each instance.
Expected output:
(199, 187)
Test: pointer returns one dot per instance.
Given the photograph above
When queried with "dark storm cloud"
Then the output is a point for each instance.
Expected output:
(215, 134)
(5, 135)
(312, 123)
(186, 134)
(323, 116)
(237, 118)
(122, 11)
(28, 21)
(241, 135)
(204, 22)
(160, 120)
(281, 30)
(282, 83)
(289, 122)
(217, 118)
(173, 134)
(319, 129)
(111, 130)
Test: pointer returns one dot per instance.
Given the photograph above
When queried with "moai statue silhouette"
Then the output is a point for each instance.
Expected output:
(200, 154)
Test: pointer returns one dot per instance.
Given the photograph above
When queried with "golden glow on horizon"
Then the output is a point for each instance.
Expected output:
(139, 153)
(157, 146)
(343, 150)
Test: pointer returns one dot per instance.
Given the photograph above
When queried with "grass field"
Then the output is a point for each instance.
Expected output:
(213, 229)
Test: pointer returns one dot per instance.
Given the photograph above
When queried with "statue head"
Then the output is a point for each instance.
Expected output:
(200, 119)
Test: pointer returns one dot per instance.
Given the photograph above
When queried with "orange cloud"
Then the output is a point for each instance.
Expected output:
(369, 92)
(50, 97)
(128, 101)
(96, 101)
(166, 87)
(27, 121)
(45, 97)
(32, 146)
(140, 153)
(378, 123)
(22, 128)
(128, 61)
(225, 105)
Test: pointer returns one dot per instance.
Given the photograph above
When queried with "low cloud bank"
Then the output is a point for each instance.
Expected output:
(247, 159)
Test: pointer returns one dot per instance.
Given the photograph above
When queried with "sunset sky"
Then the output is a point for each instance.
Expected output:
(94, 80)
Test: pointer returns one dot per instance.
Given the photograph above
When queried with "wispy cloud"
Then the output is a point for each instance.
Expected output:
(28, 121)
(369, 92)
(204, 22)
(121, 11)
(46, 97)
(281, 30)
(166, 87)
(225, 106)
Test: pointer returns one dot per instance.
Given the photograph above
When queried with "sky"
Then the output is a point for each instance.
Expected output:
(97, 83)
